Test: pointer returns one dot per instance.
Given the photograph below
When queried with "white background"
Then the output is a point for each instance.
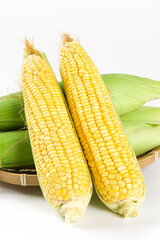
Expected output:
(121, 36)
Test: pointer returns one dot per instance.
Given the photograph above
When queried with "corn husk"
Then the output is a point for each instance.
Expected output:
(11, 112)
(15, 150)
(143, 137)
(143, 114)
(130, 92)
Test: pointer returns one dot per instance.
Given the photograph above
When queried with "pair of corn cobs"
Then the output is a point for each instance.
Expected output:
(62, 169)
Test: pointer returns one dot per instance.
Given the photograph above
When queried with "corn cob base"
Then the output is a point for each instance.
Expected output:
(127, 208)
(75, 209)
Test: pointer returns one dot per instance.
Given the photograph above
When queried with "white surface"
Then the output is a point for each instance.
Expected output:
(121, 36)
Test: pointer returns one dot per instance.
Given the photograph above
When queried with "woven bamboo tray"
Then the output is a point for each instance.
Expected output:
(28, 177)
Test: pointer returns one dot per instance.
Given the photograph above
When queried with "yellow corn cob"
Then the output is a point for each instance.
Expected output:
(61, 166)
(116, 174)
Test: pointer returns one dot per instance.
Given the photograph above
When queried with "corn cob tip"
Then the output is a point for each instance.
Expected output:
(72, 210)
(29, 48)
(66, 38)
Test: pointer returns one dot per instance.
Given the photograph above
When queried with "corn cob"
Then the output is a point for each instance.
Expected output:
(61, 166)
(15, 150)
(11, 112)
(143, 114)
(116, 174)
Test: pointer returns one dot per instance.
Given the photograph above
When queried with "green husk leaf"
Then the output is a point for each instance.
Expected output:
(143, 114)
(15, 150)
(129, 92)
(12, 115)
(143, 137)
